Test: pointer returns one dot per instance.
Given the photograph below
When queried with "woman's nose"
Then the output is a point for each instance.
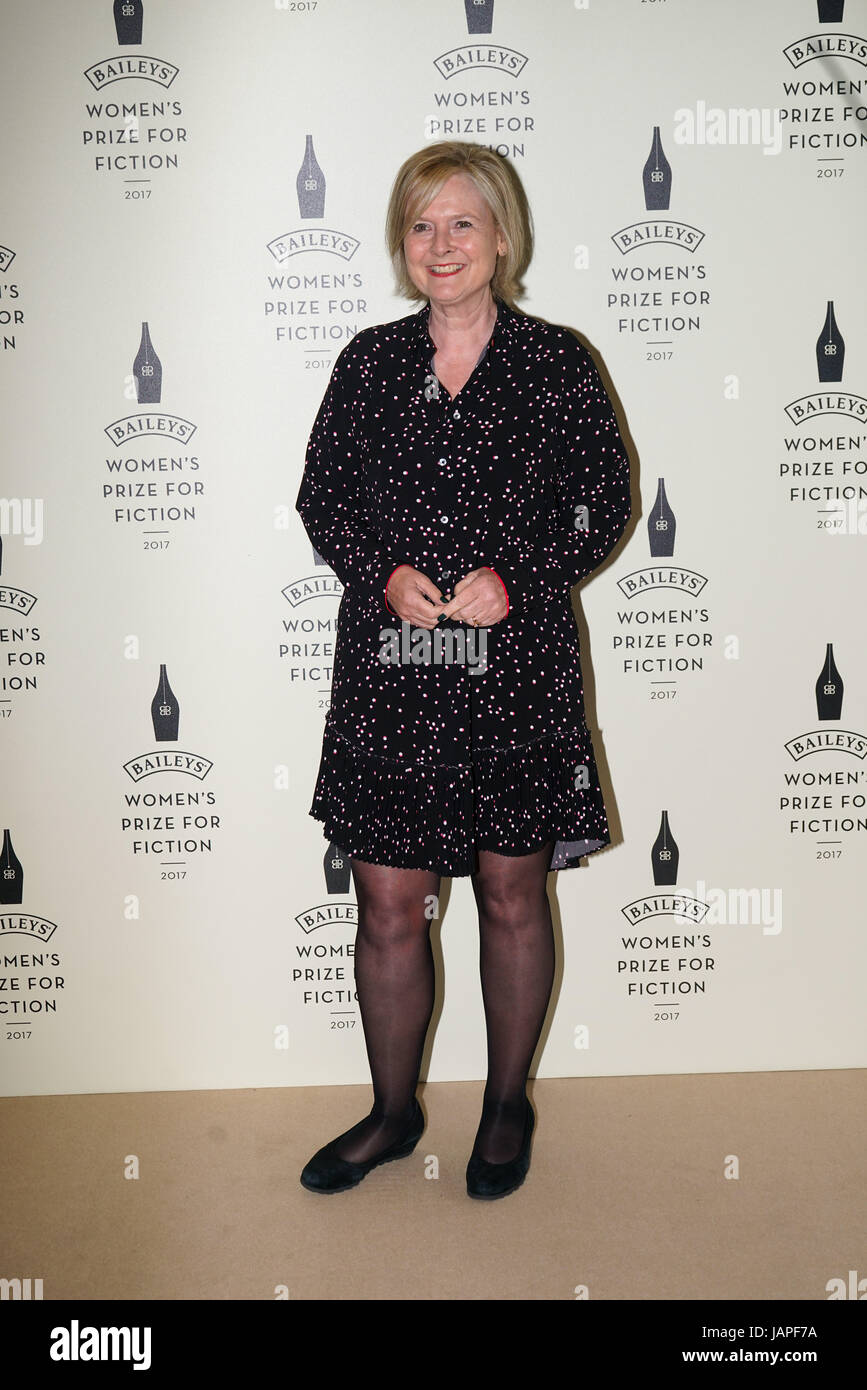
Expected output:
(441, 242)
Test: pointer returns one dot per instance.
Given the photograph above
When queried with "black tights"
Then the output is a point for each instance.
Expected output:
(394, 974)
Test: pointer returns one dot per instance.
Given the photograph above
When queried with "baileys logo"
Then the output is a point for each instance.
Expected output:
(165, 714)
(310, 187)
(830, 358)
(18, 600)
(128, 15)
(327, 915)
(665, 862)
(310, 587)
(480, 20)
(661, 530)
(657, 182)
(34, 991)
(147, 377)
(829, 706)
(505, 60)
(100, 74)
(324, 972)
(828, 45)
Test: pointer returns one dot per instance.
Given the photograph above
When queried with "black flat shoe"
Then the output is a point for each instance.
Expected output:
(328, 1172)
(491, 1180)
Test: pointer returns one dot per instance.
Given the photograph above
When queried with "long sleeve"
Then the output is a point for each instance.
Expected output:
(332, 499)
(592, 472)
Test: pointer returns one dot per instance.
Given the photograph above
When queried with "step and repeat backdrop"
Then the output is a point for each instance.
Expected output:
(191, 227)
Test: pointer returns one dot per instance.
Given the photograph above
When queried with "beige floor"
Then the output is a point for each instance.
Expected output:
(626, 1196)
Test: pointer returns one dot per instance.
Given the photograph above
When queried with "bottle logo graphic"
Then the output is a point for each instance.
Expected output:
(661, 532)
(830, 348)
(310, 187)
(137, 67)
(661, 524)
(165, 715)
(655, 230)
(165, 711)
(656, 176)
(11, 873)
(829, 688)
(128, 20)
(830, 353)
(147, 371)
(830, 11)
(829, 709)
(480, 16)
(310, 184)
(336, 865)
(664, 856)
(683, 905)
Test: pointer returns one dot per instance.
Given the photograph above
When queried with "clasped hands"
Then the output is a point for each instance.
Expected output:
(477, 599)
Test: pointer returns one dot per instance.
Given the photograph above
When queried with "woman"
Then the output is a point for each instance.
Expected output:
(465, 470)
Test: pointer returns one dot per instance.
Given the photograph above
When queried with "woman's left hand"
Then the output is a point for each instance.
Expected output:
(479, 599)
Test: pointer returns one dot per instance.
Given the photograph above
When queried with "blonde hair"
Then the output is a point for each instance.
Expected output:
(421, 177)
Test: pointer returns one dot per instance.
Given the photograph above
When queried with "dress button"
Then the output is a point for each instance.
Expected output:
(444, 519)
(442, 462)
(456, 415)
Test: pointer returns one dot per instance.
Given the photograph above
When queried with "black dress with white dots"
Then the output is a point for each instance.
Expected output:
(438, 746)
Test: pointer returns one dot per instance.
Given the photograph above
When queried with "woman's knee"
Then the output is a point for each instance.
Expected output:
(394, 905)
(510, 891)
(391, 922)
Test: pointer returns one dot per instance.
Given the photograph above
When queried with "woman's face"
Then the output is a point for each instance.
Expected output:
(451, 250)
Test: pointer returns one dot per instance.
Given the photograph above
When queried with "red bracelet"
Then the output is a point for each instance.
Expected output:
(505, 590)
(387, 582)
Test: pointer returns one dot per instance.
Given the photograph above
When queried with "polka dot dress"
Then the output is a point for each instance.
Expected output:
(480, 741)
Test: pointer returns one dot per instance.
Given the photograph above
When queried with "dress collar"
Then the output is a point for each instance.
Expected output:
(503, 330)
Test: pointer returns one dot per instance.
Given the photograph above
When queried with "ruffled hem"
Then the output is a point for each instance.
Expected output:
(435, 816)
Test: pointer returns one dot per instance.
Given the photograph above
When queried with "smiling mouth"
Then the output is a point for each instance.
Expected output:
(444, 269)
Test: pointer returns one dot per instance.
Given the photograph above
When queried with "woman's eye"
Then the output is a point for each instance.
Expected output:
(419, 227)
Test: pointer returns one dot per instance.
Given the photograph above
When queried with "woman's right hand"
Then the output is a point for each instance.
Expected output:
(413, 597)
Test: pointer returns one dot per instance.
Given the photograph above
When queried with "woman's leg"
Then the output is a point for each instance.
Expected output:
(394, 976)
(516, 957)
